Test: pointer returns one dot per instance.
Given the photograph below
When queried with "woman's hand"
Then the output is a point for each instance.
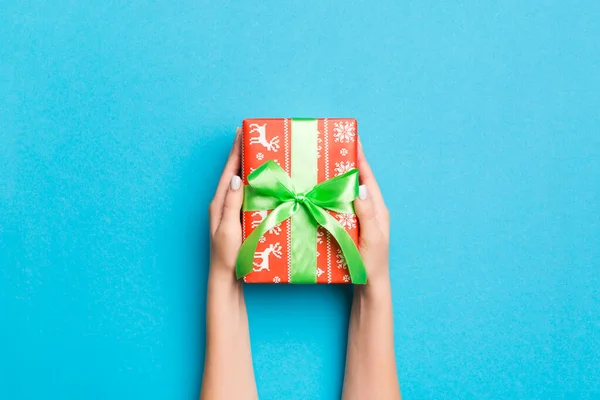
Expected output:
(370, 360)
(224, 211)
(374, 218)
(228, 355)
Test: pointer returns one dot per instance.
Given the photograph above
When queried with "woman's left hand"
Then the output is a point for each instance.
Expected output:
(224, 212)
(228, 354)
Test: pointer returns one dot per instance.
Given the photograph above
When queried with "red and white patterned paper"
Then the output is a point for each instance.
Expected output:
(270, 139)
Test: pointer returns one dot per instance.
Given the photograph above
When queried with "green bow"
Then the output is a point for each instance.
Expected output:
(270, 188)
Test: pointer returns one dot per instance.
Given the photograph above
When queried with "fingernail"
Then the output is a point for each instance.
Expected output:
(362, 192)
(236, 182)
(238, 131)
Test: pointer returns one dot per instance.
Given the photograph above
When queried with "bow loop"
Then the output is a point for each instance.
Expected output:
(268, 187)
(338, 193)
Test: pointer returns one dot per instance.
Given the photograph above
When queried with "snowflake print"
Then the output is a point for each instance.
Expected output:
(319, 272)
(347, 220)
(340, 260)
(344, 132)
(346, 278)
(276, 279)
(344, 152)
(262, 239)
(342, 167)
(259, 156)
(318, 254)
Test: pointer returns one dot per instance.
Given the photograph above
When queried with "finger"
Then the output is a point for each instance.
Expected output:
(365, 210)
(233, 202)
(231, 168)
(366, 175)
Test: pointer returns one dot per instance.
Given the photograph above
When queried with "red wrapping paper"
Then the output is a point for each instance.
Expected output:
(270, 139)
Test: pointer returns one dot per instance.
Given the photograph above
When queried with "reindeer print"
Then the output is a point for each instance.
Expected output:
(276, 230)
(261, 130)
(320, 235)
(263, 257)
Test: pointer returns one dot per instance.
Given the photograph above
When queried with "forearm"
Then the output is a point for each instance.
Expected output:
(370, 362)
(228, 372)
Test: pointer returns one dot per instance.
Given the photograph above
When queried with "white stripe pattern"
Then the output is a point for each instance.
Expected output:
(286, 142)
(326, 143)
(243, 172)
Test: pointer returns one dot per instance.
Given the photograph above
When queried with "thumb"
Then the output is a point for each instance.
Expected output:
(364, 208)
(233, 201)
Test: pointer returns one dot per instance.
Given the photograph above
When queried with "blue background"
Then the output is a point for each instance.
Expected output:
(480, 119)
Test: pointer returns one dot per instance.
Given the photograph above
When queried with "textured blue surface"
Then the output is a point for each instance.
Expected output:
(481, 122)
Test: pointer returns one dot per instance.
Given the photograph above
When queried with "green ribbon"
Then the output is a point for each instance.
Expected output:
(270, 188)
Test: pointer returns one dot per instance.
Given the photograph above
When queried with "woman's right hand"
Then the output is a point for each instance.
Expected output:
(370, 360)
(374, 219)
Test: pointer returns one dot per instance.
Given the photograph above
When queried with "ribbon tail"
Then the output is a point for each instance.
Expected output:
(356, 266)
(245, 258)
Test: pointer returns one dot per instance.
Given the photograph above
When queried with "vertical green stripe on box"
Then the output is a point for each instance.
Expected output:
(304, 177)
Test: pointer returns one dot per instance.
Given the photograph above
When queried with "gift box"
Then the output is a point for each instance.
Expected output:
(311, 164)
